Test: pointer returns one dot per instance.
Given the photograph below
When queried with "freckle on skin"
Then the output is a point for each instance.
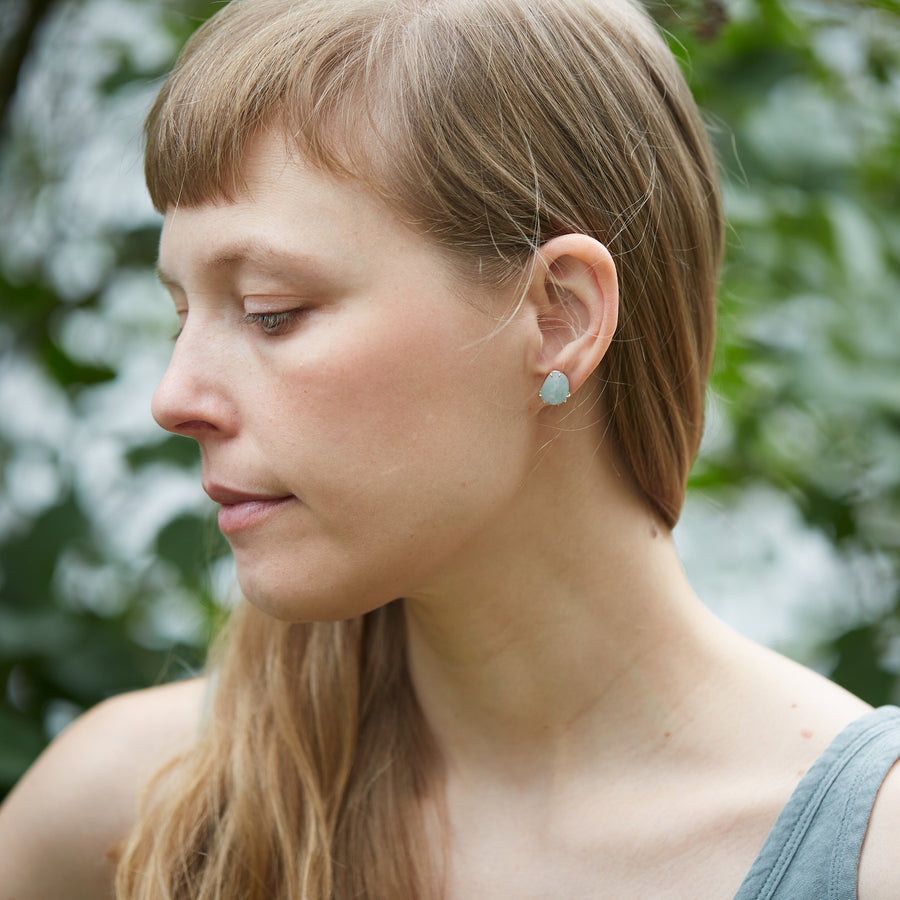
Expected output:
(668, 734)
(805, 732)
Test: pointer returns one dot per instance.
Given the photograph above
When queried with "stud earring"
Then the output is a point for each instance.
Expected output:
(555, 389)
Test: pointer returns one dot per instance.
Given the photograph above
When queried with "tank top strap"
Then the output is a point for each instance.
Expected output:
(812, 851)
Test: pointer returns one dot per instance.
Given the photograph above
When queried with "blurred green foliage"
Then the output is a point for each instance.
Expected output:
(803, 100)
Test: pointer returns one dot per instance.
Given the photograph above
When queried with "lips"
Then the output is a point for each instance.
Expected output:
(242, 510)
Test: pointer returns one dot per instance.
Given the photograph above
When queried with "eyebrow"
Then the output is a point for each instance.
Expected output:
(275, 261)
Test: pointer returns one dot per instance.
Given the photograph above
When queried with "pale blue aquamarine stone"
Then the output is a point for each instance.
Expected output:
(555, 389)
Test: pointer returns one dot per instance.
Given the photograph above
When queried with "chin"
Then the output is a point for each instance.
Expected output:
(293, 604)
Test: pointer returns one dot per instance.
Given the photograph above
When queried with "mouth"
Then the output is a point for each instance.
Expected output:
(241, 510)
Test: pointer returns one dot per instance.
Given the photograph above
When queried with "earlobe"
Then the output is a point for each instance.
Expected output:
(575, 293)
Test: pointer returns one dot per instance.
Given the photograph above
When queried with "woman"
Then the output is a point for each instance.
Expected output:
(445, 273)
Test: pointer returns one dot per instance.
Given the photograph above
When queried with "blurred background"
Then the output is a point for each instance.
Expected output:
(112, 573)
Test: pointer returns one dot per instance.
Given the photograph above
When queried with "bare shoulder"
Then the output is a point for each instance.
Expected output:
(879, 875)
(825, 710)
(807, 714)
(792, 706)
(77, 802)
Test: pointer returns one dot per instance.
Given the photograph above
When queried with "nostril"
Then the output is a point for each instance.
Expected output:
(192, 426)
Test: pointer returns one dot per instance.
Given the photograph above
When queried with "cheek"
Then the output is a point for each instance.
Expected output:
(402, 451)
(394, 416)
(364, 379)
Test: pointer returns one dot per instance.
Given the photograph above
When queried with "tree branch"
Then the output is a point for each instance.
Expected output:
(15, 53)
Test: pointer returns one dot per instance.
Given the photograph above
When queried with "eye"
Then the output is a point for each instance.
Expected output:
(273, 323)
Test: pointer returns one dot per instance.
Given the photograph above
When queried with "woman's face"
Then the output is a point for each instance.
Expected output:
(361, 423)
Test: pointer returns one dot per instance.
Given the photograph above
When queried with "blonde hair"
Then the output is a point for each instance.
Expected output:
(492, 126)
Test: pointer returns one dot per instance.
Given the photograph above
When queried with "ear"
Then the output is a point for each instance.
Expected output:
(574, 292)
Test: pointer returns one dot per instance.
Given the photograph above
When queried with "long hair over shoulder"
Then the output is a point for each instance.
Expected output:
(491, 126)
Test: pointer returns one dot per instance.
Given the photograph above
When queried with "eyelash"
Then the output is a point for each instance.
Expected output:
(273, 323)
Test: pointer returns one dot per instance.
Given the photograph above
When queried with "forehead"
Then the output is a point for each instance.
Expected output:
(284, 211)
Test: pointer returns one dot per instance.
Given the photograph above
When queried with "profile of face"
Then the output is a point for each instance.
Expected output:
(363, 420)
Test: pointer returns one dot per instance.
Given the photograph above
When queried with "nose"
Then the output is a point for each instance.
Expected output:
(192, 399)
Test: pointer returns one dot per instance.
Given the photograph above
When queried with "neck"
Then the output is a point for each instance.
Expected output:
(553, 649)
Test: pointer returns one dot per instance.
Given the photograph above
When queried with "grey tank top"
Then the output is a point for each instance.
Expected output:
(812, 852)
